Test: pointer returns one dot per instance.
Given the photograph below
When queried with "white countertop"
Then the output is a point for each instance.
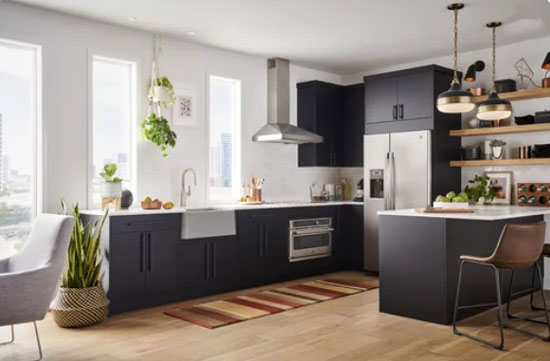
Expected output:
(217, 207)
(481, 213)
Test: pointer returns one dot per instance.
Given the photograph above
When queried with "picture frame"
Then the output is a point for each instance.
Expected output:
(184, 110)
(503, 181)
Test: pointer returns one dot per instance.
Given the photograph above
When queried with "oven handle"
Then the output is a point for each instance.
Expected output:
(314, 232)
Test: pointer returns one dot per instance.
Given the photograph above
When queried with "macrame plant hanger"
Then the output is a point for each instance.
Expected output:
(154, 101)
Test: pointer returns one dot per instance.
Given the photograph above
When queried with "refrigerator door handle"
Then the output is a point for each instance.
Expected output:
(392, 189)
(387, 182)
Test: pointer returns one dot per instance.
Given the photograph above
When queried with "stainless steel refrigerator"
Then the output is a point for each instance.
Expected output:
(397, 175)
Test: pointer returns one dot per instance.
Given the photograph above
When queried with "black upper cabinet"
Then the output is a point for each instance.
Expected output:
(415, 95)
(337, 114)
(381, 100)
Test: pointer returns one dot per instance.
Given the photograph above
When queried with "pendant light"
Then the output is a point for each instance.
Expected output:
(494, 108)
(455, 100)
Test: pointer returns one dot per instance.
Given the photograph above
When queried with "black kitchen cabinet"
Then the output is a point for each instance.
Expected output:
(349, 248)
(337, 113)
(263, 244)
(208, 265)
(140, 260)
(405, 100)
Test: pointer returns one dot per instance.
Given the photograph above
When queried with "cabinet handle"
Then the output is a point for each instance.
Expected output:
(266, 238)
(262, 240)
(141, 253)
(144, 223)
(207, 269)
(395, 112)
(149, 252)
(213, 260)
(401, 111)
(262, 215)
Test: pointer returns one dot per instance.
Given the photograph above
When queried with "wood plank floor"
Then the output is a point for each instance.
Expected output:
(349, 328)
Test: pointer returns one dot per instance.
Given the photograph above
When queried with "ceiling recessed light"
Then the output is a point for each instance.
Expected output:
(192, 33)
(131, 18)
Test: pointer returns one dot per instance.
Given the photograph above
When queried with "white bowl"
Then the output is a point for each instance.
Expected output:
(451, 205)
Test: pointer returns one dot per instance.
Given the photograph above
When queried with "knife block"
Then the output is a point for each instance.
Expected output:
(533, 194)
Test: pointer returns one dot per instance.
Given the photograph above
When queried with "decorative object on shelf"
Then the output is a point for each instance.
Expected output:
(494, 107)
(525, 74)
(477, 91)
(476, 67)
(127, 199)
(541, 151)
(505, 85)
(501, 182)
(497, 149)
(546, 83)
(486, 123)
(473, 123)
(455, 100)
(183, 111)
(111, 188)
(155, 128)
(525, 119)
(470, 152)
(480, 190)
(487, 149)
(542, 117)
(525, 152)
(546, 65)
(533, 194)
(81, 300)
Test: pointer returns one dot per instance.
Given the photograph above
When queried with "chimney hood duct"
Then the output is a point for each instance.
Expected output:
(278, 128)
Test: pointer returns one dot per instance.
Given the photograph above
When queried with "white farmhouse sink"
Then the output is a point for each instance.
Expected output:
(207, 222)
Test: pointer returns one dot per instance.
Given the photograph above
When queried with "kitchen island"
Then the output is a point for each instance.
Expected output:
(420, 259)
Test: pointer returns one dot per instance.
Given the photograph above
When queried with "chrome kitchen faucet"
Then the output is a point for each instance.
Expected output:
(186, 193)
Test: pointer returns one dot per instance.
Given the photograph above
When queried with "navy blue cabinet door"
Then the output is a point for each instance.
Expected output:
(381, 100)
(127, 260)
(194, 265)
(162, 261)
(227, 268)
(416, 95)
(275, 247)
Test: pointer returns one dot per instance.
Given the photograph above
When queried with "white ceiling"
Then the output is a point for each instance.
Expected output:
(342, 36)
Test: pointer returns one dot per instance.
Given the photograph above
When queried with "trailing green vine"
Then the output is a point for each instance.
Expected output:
(157, 130)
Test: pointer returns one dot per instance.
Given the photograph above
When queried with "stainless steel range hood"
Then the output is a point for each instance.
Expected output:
(278, 128)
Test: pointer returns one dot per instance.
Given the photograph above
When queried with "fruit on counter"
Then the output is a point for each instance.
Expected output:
(168, 205)
(147, 199)
(462, 197)
(442, 199)
(450, 195)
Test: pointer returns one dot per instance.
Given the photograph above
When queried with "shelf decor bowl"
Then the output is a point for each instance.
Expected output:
(451, 205)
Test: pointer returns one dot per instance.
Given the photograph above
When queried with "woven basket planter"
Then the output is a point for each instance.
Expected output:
(79, 307)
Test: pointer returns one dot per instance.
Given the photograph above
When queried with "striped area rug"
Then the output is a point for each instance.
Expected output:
(246, 307)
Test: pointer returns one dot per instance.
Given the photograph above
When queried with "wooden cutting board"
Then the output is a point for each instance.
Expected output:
(444, 210)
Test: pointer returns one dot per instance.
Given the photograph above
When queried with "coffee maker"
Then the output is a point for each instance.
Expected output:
(359, 192)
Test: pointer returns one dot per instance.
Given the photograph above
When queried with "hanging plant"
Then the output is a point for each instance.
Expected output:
(157, 130)
(161, 92)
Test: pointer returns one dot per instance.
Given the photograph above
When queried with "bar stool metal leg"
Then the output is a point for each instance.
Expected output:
(533, 307)
(499, 303)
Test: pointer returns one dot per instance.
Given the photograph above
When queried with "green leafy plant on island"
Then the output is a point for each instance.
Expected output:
(108, 174)
(480, 187)
(157, 130)
(84, 253)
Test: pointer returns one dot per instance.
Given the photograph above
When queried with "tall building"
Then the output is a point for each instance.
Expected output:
(226, 159)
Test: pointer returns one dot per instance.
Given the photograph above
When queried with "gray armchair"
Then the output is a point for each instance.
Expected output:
(28, 279)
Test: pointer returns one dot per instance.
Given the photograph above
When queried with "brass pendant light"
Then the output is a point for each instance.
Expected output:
(455, 100)
(494, 108)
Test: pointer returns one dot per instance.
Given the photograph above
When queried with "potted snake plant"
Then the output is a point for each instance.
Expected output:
(81, 300)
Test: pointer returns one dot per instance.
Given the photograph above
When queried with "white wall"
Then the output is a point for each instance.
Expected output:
(65, 42)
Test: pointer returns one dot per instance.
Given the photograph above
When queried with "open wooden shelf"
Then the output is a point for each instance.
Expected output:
(501, 130)
(499, 162)
(519, 95)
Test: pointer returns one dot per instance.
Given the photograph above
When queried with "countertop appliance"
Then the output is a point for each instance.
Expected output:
(310, 238)
(399, 169)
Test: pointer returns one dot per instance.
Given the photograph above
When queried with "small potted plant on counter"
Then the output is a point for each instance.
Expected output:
(111, 188)
(81, 299)
(479, 190)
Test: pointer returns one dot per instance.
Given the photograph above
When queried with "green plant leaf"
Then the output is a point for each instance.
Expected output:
(157, 130)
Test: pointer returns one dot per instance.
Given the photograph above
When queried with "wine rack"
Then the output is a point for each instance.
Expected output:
(533, 194)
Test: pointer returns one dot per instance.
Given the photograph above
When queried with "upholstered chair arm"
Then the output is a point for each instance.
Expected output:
(25, 296)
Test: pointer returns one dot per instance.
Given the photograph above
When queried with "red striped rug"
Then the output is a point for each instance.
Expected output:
(241, 308)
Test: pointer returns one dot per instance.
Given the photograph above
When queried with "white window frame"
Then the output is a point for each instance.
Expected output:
(37, 126)
(237, 136)
(132, 161)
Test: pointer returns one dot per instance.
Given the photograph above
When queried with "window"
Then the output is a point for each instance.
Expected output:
(224, 159)
(113, 118)
(20, 142)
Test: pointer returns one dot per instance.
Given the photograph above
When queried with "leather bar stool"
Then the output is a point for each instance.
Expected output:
(519, 248)
(545, 253)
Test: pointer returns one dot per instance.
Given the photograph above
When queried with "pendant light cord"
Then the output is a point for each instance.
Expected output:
(493, 87)
(455, 46)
